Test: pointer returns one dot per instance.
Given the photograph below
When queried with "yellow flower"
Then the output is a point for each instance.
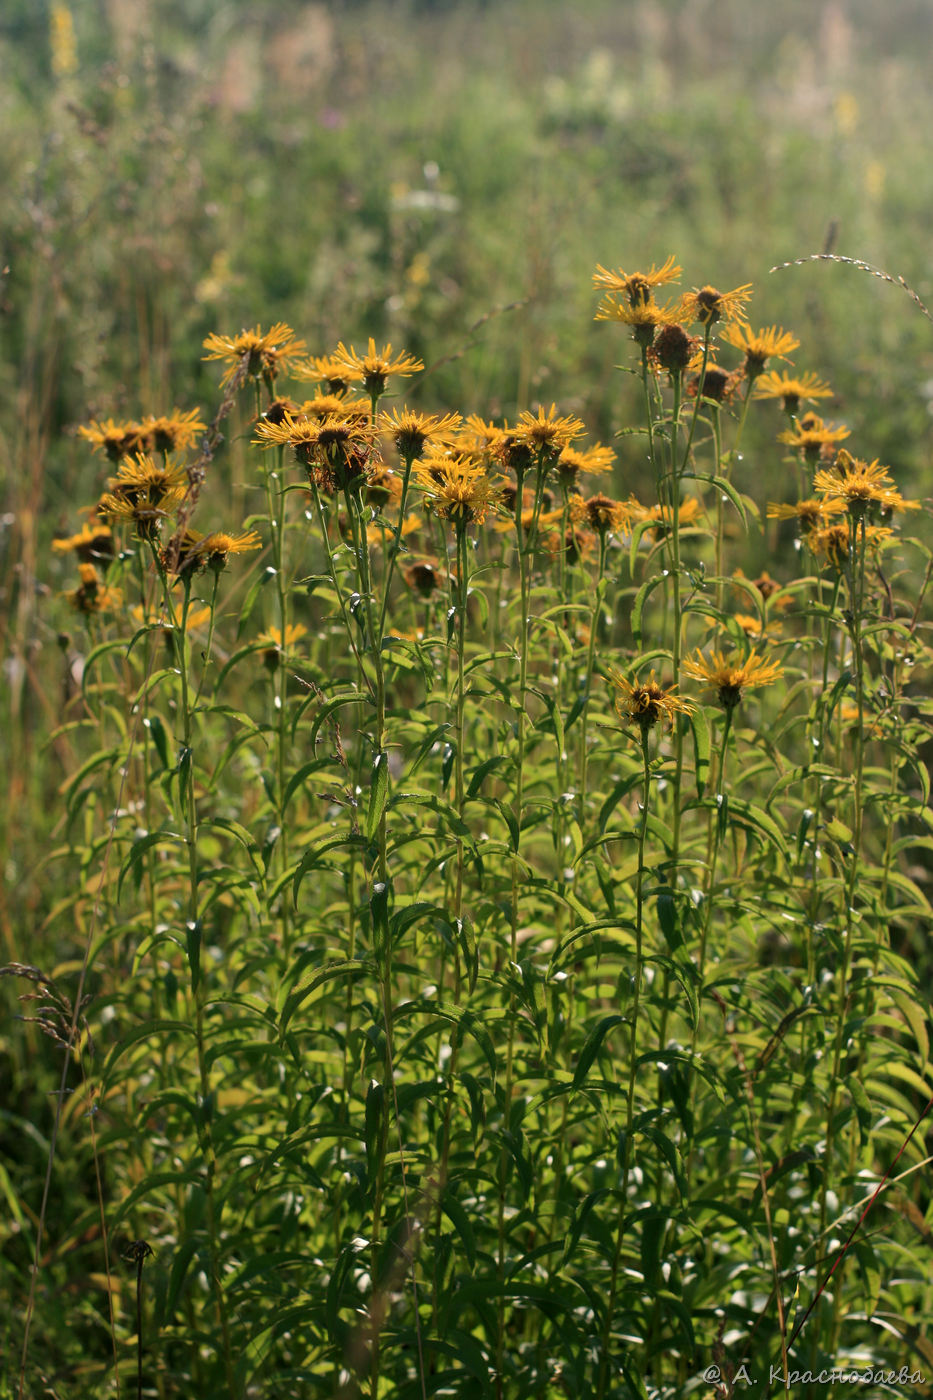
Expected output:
(195, 620)
(476, 435)
(547, 433)
(144, 493)
(859, 486)
(91, 595)
(636, 286)
(808, 514)
(813, 437)
(754, 629)
(62, 41)
(375, 366)
(662, 516)
(114, 439)
(326, 369)
(93, 543)
(776, 385)
(264, 353)
(410, 430)
(275, 647)
(602, 513)
(171, 432)
(458, 488)
(707, 305)
(645, 317)
(593, 461)
(645, 702)
(194, 551)
(730, 675)
(760, 346)
(336, 451)
(334, 406)
(830, 543)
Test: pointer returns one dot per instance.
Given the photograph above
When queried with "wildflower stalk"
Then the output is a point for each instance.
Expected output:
(276, 503)
(396, 543)
(603, 1377)
(525, 548)
(188, 805)
(598, 596)
(707, 333)
(856, 588)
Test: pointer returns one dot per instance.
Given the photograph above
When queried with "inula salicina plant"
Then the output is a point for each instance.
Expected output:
(494, 912)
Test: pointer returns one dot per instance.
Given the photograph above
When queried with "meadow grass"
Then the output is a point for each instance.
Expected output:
(468, 915)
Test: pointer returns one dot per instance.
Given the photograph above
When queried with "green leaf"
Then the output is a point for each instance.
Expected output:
(641, 597)
(481, 773)
(316, 978)
(378, 793)
(591, 1047)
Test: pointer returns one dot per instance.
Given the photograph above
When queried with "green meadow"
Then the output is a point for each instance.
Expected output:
(465, 569)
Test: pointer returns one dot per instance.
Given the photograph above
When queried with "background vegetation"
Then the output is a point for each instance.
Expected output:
(444, 177)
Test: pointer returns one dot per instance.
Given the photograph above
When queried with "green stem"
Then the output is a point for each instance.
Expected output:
(604, 1361)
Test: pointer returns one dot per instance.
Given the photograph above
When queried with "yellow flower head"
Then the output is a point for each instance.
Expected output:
(593, 461)
(326, 369)
(276, 647)
(646, 318)
(410, 430)
(114, 439)
(144, 493)
(574, 542)
(336, 451)
(193, 551)
(645, 702)
(91, 595)
(547, 433)
(263, 352)
(172, 432)
(93, 544)
(458, 488)
(830, 543)
(477, 435)
(730, 675)
(860, 487)
(809, 513)
(791, 389)
(662, 515)
(707, 305)
(636, 286)
(813, 437)
(760, 346)
(334, 406)
(602, 513)
(754, 629)
(375, 366)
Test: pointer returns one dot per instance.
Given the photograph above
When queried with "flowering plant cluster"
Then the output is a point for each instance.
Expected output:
(502, 903)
